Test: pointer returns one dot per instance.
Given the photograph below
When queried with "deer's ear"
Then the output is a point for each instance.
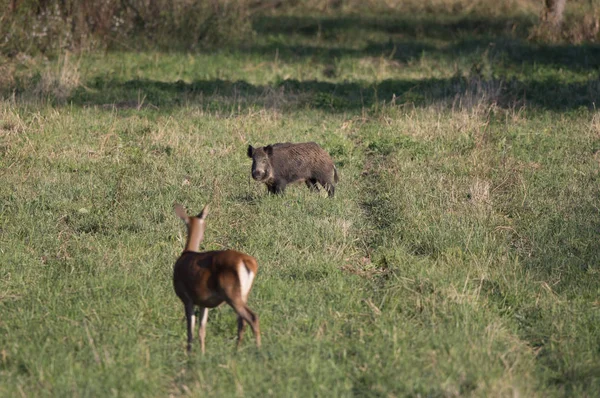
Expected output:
(181, 213)
(203, 213)
(250, 151)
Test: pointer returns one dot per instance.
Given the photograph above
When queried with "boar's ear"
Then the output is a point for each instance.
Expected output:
(269, 150)
(250, 151)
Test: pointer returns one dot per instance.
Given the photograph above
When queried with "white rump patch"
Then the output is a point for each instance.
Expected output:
(246, 277)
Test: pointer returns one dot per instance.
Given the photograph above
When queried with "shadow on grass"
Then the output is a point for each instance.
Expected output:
(223, 95)
(406, 37)
(433, 26)
(504, 53)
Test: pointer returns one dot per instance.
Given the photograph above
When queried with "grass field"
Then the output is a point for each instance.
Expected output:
(460, 256)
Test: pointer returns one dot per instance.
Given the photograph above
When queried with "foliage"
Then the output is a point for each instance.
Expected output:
(49, 26)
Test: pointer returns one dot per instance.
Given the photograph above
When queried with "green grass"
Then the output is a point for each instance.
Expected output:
(459, 256)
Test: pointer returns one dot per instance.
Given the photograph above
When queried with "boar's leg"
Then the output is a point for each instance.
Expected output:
(327, 183)
(276, 188)
(330, 188)
(311, 183)
(279, 188)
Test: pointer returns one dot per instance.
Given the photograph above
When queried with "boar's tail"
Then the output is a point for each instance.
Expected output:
(335, 175)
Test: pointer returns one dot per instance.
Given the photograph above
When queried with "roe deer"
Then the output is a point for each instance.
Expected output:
(207, 279)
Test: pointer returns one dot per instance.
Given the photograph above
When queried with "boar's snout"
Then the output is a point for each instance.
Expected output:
(258, 174)
(260, 170)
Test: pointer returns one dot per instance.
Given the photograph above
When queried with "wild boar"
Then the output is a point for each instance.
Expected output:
(278, 165)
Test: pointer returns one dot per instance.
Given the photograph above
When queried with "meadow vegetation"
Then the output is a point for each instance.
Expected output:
(460, 256)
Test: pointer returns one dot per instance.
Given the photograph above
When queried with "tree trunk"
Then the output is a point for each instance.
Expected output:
(553, 14)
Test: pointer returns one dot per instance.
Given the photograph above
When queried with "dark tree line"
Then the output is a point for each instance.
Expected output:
(47, 25)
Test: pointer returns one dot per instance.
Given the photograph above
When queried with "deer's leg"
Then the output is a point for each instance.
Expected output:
(190, 320)
(203, 314)
(241, 327)
(247, 315)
